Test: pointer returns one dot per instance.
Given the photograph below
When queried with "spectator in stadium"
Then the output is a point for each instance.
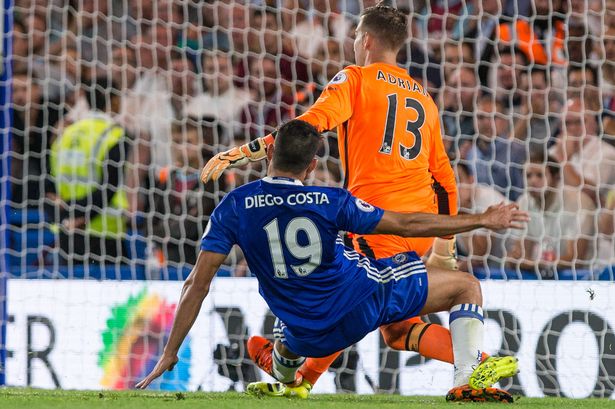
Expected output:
(237, 23)
(267, 40)
(588, 162)
(497, 158)
(537, 125)
(442, 19)
(158, 98)
(607, 83)
(148, 109)
(459, 97)
(582, 82)
(579, 44)
(182, 203)
(540, 36)
(481, 248)
(124, 66)
(76, 76)
(21, 47)
(181, 82)
(140, 17)
(561, 230)
(87, 192)
(422, 64)
(93, 32)
(270, 105)
(606, 224)
(327, 63)
(456, 54)
(481, 32)
(208, 26)
(313, 27)
(510, 81)
(35, 117)
(36, 27)
(221, 98)
(41, 53)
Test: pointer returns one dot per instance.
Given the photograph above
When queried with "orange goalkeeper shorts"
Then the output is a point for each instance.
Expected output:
(381, 246)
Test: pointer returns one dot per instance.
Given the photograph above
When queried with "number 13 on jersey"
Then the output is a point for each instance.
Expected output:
(413, 127)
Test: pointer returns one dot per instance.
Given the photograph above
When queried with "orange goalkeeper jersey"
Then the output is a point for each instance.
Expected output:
(390, 145)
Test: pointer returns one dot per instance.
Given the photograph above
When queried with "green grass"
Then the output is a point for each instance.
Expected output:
(11, 398)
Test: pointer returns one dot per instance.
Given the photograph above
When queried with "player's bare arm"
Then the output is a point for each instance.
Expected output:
(193, 293)
(429, 225)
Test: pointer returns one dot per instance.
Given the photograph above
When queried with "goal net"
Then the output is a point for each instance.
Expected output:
(112, 107)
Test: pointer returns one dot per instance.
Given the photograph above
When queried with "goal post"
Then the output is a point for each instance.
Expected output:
(6, 19)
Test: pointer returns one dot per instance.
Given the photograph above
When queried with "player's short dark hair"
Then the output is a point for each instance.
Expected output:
(387, 24)
(296, 144)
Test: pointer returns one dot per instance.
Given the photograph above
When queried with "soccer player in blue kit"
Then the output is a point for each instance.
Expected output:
(325, 295)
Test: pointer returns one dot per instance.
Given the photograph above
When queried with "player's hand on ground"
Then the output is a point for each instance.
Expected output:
(505, 216)
(234, 158)
(165, 363)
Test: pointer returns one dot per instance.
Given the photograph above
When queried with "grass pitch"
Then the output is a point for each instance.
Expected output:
(14, 398)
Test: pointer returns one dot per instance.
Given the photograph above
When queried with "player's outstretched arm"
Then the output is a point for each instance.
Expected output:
(496, 217)
(193, 293)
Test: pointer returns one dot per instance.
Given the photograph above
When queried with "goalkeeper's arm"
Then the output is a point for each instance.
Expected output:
(334, 107)
(238, 156)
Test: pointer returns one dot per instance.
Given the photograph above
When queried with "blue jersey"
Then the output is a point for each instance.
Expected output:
(289, 234)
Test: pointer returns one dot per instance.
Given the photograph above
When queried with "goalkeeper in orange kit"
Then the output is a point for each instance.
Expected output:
(392, 156)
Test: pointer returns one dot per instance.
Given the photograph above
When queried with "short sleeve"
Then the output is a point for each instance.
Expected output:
(356, 215)
(220, 233)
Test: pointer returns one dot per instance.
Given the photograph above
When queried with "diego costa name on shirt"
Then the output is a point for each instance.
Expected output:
(293, 199)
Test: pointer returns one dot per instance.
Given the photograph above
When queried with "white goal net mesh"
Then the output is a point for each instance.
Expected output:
(152, 89)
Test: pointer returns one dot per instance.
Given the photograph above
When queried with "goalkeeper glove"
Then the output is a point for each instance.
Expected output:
(234, 158)
(443, 254)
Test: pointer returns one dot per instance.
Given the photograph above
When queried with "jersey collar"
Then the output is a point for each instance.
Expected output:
(282, 180)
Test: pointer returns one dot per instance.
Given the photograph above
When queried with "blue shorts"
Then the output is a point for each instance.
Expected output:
(393, 301)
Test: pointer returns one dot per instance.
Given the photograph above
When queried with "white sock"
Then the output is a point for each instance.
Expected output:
(284, 369)
(466, 325)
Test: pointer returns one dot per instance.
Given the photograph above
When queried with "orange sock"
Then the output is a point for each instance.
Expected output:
(430, 340)
(312, 368)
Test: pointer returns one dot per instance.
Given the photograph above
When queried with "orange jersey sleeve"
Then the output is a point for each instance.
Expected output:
(335, 104)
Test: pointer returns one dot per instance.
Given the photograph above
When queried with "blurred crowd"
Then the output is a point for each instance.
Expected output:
(526, 91)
